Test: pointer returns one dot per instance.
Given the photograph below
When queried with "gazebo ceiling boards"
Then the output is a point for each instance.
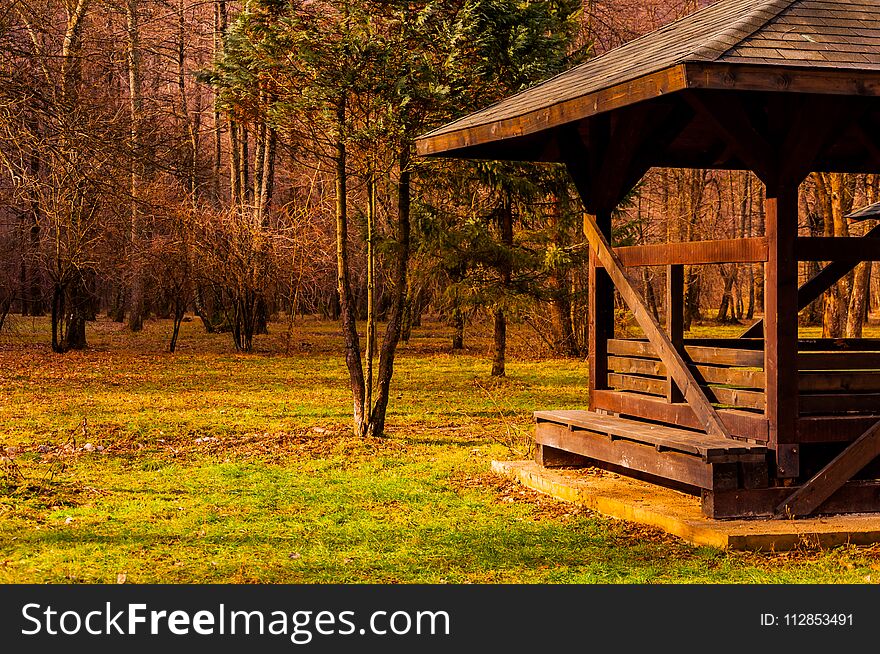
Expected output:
(761, 425)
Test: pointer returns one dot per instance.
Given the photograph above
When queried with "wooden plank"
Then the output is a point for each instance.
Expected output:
(741, 250)
(864, 381)
(839, 403)
(658, 436)
(650, 367)
(683, 468)
(731, 343)
(839, 249)
(838, 361)
(780, 322)
(736, 397)
(854, 497)
(833, 429)
(782, 78)
(723, 356)
(637, 384)
(728, 396)
(813, 288)
(832, 477)
(675, 364)
(674, 322)
(741, 424)
(830, 344)
(719, 356)
(738, 377)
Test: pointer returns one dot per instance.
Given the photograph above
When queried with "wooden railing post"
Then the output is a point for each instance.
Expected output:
(601, 314)
(781, 326)
(674, 322)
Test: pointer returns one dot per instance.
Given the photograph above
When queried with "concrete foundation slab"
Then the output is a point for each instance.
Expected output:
(680, 515)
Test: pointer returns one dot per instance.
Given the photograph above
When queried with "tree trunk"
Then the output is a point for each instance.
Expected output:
(505, 223)
(835, 201)
(398, 299)
(499, 351)
(220, 23)
(136, 292)
(458, 327)
(343, 279)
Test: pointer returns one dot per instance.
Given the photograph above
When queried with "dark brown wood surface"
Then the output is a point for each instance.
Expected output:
(710, 448)
(824, 248)
(853, 497)
(741, 424)
(717, 356)
(806, 499)
(780, 325)
(674, 322)
(742, 250)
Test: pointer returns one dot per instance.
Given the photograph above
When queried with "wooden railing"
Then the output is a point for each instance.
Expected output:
(834, 376)
(730, 377)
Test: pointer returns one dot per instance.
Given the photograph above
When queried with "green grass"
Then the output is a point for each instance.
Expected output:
(281, 492)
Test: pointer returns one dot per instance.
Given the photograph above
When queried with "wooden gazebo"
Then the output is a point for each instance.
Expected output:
(766, 424)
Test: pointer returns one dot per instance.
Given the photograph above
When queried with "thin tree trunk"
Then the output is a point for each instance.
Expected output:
(220, 23)
(343, 280)
(505, 224)
(398, 300)
(136, 288)
(236, 197)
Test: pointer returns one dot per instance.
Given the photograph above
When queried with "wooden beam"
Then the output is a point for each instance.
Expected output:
(740, 250)
(738, 377)
(600, 308)
(674, 323)
(742, 424)
(715, 356)
(832, 477)
(675, 364)
(838, 360)
(853, 497)
(782, 78)
(780, 326)
(851, 250)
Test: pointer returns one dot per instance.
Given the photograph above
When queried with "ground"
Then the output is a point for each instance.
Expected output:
(127, 463)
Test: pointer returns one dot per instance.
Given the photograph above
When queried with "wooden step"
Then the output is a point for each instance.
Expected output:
(708, 448)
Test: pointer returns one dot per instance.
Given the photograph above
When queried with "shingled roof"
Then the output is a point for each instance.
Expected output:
(815, 34)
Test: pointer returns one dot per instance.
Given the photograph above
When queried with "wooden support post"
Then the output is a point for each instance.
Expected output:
(601, 312)
(674, 322)
(780, 326)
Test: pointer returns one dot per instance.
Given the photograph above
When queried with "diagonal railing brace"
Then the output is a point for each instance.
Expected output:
(676, 366)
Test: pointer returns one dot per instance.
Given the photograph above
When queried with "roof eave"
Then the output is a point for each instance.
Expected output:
(694, 75)
(649, 86)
